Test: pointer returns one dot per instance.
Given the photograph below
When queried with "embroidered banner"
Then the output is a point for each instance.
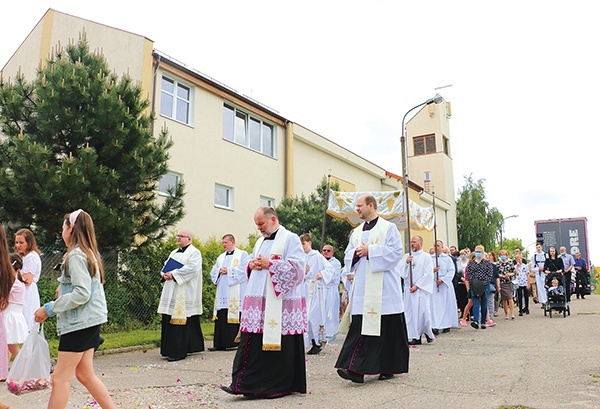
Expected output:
(390, 206)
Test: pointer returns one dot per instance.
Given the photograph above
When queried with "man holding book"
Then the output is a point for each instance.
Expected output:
(181, 300)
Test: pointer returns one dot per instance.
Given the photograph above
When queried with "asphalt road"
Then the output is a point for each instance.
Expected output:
(534, 361)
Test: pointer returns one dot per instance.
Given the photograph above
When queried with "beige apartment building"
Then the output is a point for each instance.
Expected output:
(232, 152)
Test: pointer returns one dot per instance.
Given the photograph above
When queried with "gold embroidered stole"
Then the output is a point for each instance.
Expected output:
(233, 304)
(371, 323)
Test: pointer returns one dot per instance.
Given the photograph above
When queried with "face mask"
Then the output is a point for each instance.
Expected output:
(503, 257)
(463, 257)
(562, 253)
(478, 254)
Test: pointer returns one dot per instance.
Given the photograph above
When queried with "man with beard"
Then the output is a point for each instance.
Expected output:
(270, 360)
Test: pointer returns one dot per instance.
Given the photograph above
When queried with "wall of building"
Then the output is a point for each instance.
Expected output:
(125, 52)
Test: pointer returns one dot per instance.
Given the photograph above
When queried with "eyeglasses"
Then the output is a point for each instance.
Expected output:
(326, 251)
(181, 236)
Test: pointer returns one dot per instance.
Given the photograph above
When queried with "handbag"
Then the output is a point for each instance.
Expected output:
(478, 287)
(30, 370)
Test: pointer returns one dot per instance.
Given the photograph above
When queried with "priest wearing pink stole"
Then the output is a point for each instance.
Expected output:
(270, 360)
(376, 341)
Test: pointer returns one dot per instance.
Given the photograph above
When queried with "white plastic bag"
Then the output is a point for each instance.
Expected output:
(30, 370)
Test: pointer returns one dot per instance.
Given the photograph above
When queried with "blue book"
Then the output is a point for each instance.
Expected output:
(171, 265)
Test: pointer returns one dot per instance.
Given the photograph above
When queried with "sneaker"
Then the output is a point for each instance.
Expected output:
(490, 323)
(483, 326)
(463, 323)
(475, 325)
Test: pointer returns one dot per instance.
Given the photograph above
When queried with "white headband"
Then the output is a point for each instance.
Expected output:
(73, 216)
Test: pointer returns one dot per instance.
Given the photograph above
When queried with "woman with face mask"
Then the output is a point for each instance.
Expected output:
(480, 274)
(507, 273)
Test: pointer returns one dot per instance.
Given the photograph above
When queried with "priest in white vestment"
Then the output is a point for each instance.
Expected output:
(270, 360)
(181, 301)
(230, 278)
(417, 270)
(376, 342)
(318, 273)
(332, 294)
(443, 310)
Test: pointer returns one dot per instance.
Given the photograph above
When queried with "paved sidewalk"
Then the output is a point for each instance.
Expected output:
(534, 361)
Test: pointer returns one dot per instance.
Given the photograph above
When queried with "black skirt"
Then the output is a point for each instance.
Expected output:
(176, 341)
(372, 355)
(80, 341)
(225, 333)
(269, 372)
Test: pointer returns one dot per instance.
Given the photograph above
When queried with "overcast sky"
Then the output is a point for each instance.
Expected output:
(523, 76)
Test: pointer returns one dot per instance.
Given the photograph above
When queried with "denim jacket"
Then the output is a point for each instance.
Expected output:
(81, 302)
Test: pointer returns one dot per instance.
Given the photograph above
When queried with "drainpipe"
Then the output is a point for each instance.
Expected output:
(289, 159)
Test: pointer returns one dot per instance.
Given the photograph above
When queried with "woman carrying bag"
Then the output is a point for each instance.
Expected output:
(80, 309)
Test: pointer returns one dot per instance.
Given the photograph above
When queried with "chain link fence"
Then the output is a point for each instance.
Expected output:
(132, 287)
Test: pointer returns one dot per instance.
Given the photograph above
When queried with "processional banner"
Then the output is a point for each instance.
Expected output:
(390, 206)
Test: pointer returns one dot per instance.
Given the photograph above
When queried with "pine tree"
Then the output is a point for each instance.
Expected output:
(79, 136)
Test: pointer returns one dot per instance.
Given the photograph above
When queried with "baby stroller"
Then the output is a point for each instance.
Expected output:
(557, 297)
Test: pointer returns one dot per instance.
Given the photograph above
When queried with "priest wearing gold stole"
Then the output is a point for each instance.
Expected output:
(231, 284)
(270, 360)
(376, 343)
(181, 301)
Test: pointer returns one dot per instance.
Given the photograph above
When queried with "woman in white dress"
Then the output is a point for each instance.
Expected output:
(26, 247)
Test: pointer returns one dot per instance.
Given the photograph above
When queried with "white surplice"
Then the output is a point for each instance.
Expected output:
(443, 306)
(418, 304)
(383, 258)
(236, 276)
(316, 293)
(332, 300)
(537, 262)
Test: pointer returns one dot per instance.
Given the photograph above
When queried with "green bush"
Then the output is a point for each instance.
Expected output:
(132, 284)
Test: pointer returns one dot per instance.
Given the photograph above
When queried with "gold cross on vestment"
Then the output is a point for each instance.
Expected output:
(372, 313)
(273, 323)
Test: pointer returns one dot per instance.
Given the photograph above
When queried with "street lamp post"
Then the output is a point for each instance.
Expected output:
(435, 100)
(502, 227)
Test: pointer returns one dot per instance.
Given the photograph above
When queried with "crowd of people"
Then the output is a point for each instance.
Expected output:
(286, 299)
(283, 300)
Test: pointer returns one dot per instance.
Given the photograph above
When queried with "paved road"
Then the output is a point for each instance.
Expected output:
(534, 361)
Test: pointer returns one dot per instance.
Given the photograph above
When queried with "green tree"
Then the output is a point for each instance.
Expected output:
(79, 136)
(510, 245)
(305, 215)
(476, 222)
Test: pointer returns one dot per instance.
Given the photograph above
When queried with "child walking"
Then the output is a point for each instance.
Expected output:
(81, 291)
(14, 320)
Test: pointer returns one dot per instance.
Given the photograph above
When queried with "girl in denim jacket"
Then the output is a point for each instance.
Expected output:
(80, 308)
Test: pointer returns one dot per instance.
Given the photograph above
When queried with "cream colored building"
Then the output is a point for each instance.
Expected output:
(233, 153)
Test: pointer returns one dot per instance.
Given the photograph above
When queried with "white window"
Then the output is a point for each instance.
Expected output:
(248, 131)
(176, 100)
(169, 181)
(223, 196)
(267, 201)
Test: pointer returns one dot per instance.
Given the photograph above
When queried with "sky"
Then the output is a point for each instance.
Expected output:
(520, 75)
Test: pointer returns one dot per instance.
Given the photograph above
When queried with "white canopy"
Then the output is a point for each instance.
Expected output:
(390, 206)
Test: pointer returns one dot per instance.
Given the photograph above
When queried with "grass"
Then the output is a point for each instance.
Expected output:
(116, 340)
